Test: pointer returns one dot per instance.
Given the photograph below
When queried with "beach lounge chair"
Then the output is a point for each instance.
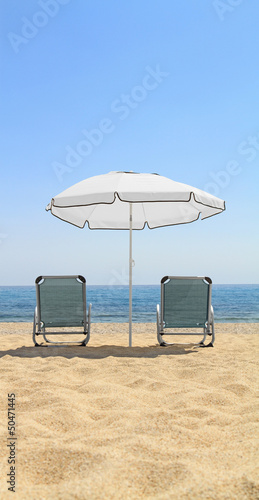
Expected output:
(185, 303)
(60, 307)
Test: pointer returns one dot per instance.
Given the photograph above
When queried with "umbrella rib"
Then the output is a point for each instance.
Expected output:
(145, 216)
(87, 220)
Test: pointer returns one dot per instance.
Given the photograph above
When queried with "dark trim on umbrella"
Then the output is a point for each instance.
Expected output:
(140, 201)
(128, 201)
(127, 229)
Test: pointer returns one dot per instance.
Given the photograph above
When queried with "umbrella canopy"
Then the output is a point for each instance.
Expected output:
(129, 200)
(102, 202)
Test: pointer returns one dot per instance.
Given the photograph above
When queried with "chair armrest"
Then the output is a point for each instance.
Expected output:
(158, 316)
(89, 317)
(35, 320)
(158, 325)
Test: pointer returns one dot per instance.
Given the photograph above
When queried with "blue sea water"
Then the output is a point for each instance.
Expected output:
(232, 303)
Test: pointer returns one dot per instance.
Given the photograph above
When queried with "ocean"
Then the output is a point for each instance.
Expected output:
(232, 303)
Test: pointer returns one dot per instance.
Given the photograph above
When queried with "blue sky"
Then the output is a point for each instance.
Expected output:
(168, 87)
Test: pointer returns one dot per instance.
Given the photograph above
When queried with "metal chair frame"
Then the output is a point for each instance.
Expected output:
(208, 328)
(39, 328)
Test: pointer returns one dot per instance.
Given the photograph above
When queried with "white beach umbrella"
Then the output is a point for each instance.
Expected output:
(129, 200)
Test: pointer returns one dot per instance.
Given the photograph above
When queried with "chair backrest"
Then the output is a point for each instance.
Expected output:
(185, 301)
(61, 300)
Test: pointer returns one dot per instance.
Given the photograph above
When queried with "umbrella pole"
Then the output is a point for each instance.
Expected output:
(130, 276)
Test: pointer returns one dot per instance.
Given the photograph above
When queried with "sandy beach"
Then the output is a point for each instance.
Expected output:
(107, 421)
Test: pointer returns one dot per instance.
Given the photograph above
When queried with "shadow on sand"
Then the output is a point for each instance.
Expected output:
(100, 352)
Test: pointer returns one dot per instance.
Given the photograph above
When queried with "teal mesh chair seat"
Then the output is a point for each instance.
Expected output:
(61, 303)
(185, 303)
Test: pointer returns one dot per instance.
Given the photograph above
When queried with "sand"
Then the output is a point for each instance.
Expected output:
(107, 421)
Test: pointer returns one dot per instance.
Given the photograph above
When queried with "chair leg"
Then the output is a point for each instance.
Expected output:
(212, 327)
(205, 331)
(159, 336)
(209, 331)
(35, 322)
